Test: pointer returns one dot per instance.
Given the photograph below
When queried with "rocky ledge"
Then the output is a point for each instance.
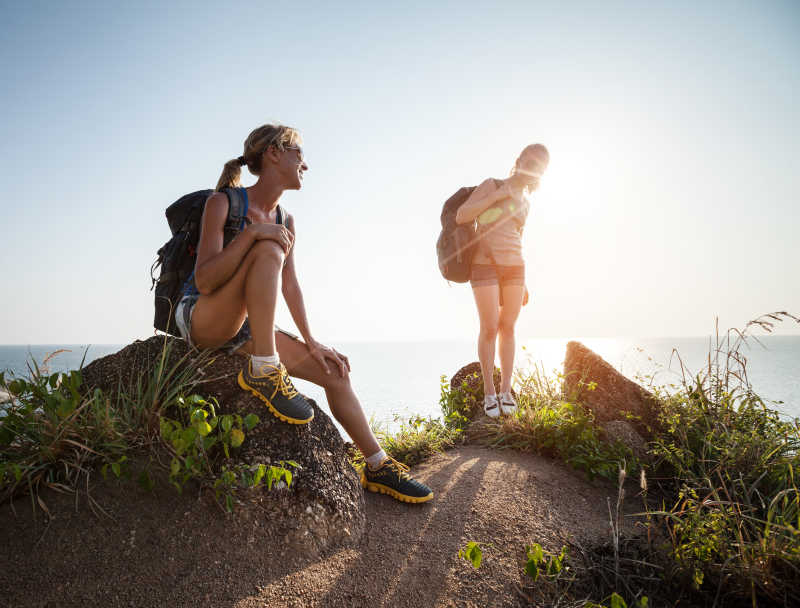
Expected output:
(322, 508)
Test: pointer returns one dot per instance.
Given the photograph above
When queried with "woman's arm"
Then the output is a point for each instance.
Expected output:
(215, 265)
(483, 197)
(293, 296)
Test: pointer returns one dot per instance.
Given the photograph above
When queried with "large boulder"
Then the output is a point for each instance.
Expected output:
(323, 507)
(610, 395)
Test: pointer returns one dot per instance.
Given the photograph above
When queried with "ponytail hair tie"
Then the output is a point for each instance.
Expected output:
(241, 161)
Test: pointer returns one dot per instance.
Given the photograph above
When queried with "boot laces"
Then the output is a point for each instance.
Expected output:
(402, 470)
(280, 377)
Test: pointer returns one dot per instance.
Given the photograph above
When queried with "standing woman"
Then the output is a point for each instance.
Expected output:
(500, 208)
(229, 302)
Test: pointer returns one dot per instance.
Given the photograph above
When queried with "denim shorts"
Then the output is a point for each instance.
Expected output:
(183, 319)
(483, 275)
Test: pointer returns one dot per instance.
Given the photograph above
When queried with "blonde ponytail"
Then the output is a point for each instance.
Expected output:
(231, 175)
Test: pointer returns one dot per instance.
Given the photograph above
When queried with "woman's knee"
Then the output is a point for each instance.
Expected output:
(335, 381)
(506, 328)
(267, 249)
(489, 329)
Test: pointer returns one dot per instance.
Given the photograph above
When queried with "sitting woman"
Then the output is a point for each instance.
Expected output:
(231, 297)
(500, 208)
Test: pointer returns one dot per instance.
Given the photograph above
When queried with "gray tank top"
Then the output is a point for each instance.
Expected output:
(500, 228)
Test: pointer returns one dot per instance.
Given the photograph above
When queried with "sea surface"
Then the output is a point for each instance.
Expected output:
(402, 379)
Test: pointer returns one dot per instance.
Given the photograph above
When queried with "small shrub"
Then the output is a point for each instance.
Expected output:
(417, 439)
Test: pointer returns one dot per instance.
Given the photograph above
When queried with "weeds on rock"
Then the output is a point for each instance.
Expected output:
(55, 434)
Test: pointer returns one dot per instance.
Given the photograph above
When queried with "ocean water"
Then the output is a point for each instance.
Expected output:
(402, 379)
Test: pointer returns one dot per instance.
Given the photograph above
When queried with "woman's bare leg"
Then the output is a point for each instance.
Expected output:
(512, 303)
(486, 299)
(251, 292)
(342, 400)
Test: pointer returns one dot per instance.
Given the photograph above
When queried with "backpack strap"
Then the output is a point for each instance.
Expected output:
(237, 212)
(237, 208)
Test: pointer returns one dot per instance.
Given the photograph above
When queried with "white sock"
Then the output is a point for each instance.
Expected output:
(258, 361)
(376, 459)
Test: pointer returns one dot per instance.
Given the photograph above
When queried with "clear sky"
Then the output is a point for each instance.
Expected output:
(671, 198)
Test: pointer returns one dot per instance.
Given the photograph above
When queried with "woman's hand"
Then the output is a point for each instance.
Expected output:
(509, 191)
(322, 354)
(273, 232)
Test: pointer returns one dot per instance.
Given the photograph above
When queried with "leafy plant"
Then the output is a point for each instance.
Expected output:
(242, 476)
(541, 562)
(193, 437)
(455, 404)
(472, 553)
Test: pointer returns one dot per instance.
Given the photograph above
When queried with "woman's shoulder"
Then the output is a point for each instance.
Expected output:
(217, 206)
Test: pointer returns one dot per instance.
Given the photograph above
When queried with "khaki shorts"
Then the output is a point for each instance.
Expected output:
(483, 275)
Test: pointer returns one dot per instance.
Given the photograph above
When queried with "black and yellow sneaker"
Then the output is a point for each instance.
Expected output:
(274, 387)
(392, 478)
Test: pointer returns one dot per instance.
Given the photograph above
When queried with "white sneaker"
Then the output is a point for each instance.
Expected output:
(490, 406)
(508, 404)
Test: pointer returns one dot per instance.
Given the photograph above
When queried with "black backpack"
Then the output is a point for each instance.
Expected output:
(457, 242)
(178, 255)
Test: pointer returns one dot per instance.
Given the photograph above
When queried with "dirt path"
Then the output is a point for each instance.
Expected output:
(408, 555)
(156, 555)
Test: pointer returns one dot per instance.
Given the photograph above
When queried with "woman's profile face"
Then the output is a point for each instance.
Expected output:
(291, 165)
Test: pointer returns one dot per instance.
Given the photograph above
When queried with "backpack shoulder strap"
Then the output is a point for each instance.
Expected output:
(237, 208)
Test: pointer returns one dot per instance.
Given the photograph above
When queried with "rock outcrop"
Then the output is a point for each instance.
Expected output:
(322, 508)
(325, 504)
(612, 396)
